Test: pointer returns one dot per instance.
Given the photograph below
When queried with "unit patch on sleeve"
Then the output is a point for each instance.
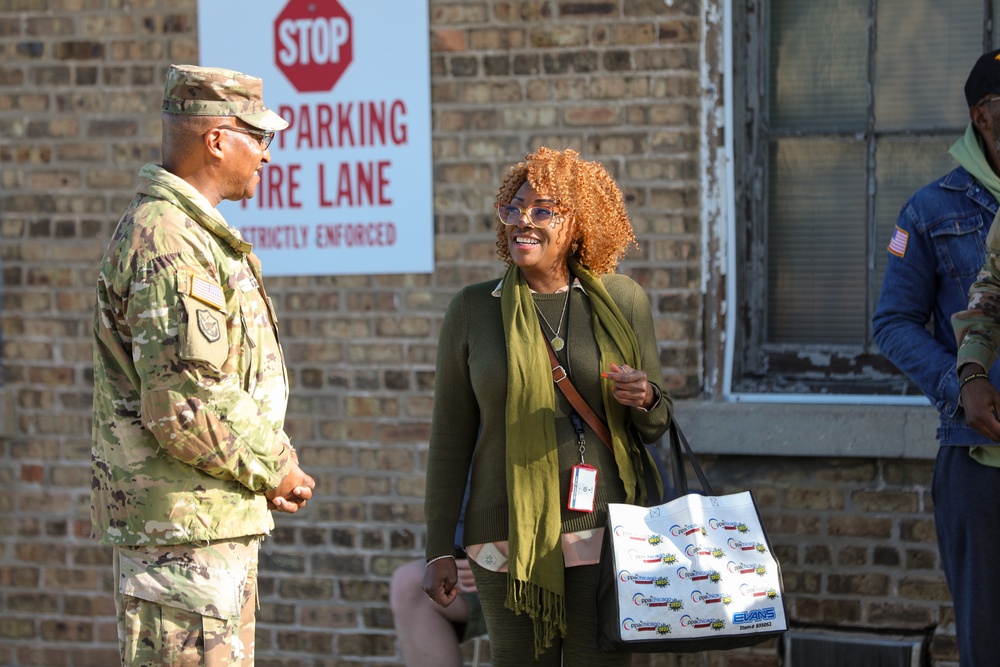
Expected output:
(202, 334)
(208, 325)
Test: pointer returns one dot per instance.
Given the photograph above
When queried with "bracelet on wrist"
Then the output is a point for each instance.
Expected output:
(438, 558)
(969, 378)
(656, 399)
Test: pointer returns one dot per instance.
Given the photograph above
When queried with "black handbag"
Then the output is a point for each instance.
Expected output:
(696, 573)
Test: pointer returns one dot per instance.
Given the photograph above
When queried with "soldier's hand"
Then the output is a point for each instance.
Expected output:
(981, 402)
(293, 491)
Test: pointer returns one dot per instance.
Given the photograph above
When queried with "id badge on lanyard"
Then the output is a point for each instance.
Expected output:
(582, 478)
(582, 488)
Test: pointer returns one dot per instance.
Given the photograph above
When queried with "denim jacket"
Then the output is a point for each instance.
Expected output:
(947, 223)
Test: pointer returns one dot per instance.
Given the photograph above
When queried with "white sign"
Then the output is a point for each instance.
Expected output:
(348, 189)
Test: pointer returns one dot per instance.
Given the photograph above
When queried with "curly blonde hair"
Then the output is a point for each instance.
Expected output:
(602, 232)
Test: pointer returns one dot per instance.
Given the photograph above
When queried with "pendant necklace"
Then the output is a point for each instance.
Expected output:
(557, 341)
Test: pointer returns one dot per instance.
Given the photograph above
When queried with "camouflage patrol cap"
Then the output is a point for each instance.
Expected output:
(213, 91)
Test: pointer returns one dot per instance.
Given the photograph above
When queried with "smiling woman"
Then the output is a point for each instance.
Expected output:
(587, 192)
(562, 227)
(539, 250)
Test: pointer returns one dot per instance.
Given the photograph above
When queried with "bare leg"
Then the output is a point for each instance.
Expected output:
(427, 635)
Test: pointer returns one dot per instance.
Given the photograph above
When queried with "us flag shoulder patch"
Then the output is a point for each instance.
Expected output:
(207, 292)
(897, 244)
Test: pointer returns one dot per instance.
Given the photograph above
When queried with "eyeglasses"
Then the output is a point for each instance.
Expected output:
(262, 136)
(538, 216)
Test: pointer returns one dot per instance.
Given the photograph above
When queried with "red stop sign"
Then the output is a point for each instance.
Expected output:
(313, 43)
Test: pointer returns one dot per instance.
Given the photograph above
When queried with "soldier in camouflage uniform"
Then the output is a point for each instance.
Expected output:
(190, 387)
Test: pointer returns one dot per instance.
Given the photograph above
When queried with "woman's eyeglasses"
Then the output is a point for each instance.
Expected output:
(263, 137)
(538, 216)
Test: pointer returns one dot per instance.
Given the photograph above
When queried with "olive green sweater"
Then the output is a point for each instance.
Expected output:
(470, 394)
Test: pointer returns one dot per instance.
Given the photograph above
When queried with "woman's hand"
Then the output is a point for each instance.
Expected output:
(631, 387)
(440, 579)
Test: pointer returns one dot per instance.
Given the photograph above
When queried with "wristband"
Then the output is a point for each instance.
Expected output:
(969, 378)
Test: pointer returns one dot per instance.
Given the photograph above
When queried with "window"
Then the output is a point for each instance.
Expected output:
(843, 109)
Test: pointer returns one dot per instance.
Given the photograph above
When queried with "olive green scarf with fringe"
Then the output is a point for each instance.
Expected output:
(535, 581)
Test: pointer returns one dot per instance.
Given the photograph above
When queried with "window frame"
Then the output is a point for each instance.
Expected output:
(755, 370)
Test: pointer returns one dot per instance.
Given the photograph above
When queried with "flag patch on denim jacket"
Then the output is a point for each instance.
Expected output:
(897, 245)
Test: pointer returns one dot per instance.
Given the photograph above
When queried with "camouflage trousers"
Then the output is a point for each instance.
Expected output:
(187, 605)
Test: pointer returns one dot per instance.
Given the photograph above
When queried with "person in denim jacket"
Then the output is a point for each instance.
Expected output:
(935, 254)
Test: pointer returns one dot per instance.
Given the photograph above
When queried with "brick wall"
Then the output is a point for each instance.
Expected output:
(80, 84)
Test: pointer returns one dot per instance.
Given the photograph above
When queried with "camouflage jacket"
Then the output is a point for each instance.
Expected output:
(977, 328)
(190, 386)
